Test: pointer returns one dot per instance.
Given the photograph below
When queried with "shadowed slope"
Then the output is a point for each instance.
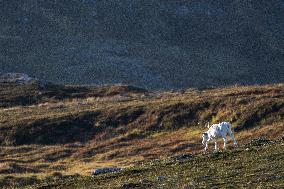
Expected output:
(154, 44)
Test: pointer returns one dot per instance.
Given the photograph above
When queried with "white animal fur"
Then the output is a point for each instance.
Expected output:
(216, 131)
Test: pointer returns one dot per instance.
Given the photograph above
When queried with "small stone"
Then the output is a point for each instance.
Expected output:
(161, 178)
(129, 185)
(183, 156)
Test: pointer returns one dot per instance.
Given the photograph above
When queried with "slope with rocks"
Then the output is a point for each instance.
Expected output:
(259, 166)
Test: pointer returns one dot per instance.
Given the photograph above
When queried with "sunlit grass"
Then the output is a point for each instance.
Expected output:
(124, 130)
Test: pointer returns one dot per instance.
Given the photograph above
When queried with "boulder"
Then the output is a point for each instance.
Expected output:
(18, 78)
(106, 170)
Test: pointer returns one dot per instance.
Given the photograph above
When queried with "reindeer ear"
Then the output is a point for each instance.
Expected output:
(208, 125)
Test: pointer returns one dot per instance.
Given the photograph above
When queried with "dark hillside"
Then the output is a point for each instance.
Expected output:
(152, 44)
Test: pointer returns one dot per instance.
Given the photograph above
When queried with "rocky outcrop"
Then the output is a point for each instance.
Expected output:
(18, 78)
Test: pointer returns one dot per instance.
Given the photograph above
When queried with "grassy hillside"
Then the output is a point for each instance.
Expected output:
(17, 95)
(247, 167)
(70, 130)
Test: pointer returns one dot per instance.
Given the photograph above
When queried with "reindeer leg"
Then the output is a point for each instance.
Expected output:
(206, 146)
(233, 138)
(225, 143)
(216, 146)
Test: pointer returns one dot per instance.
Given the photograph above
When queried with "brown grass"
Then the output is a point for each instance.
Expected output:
(77, 134)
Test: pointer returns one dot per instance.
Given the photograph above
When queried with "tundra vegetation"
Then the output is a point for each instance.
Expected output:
(54, 136)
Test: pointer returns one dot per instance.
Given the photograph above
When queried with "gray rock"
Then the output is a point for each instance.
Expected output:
(161, 178)
(131, 185)
(183, 156)
(18, 78)
(106, 170)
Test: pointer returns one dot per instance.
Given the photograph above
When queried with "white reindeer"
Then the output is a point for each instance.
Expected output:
(216, 131)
